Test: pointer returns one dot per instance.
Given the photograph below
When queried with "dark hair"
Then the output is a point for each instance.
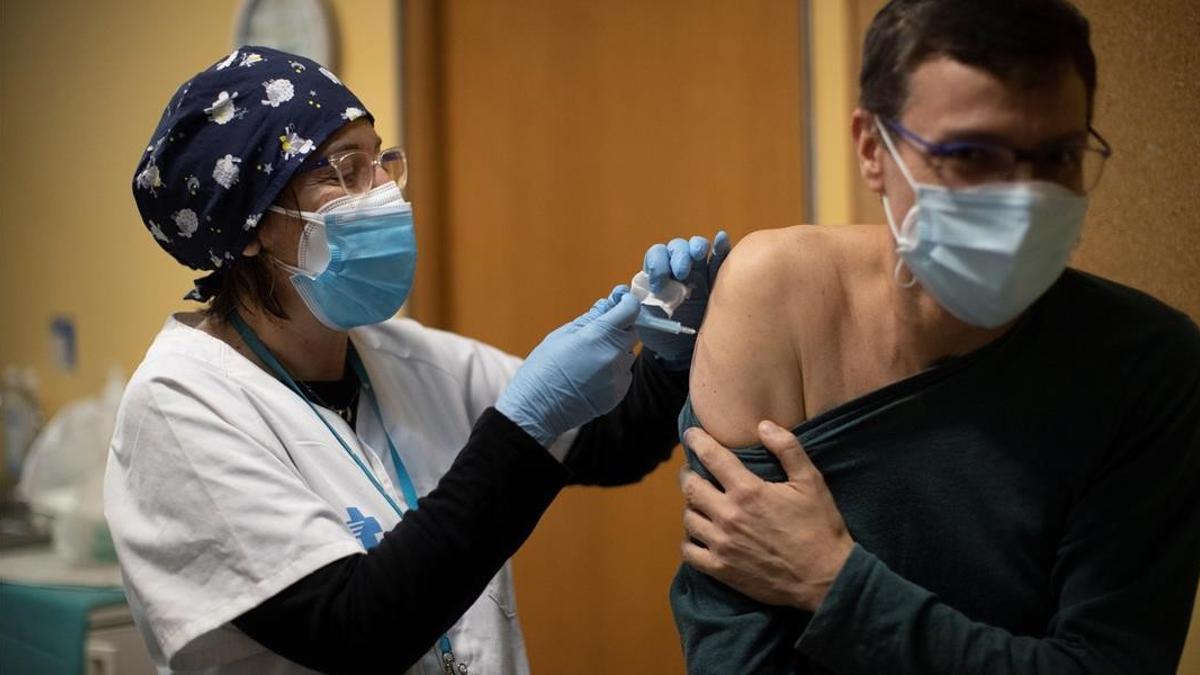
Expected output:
(249, 281)
(1027, 41)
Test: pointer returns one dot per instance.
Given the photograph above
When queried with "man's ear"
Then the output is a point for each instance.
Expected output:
(868, 149)
(253, 248)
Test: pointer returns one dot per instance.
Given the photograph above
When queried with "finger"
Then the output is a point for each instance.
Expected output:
(657, 264)
(698, 248)
(617, 292)
(701, 495)
(721, 244)
(703, 530)
(720, 462)
(681, 258)
(721, 248)
(786, 447)
(700, 558)
(620, 316)
(602, 305)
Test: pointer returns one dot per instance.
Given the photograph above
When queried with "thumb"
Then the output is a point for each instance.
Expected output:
(621, 315)
(786, 447)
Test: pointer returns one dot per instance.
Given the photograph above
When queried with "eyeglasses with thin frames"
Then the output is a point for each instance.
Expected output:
(354, 170)
(1076, 165)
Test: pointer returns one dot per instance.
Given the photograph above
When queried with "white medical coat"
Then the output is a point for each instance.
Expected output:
(223, 488)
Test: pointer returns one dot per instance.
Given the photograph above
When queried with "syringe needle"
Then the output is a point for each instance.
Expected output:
(646, 320)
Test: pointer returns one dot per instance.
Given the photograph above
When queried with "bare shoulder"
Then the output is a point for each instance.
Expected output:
(775, 288)
(809, 254)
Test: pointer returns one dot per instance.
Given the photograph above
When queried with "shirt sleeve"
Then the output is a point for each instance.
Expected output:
(427, 571)
(1125, 574)
(627, 443)
(207, 516)
(440, 557)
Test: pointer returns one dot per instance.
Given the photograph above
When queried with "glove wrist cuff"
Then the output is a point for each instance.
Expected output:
(544, 438)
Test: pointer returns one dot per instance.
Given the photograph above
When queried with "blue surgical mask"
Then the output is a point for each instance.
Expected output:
(985, 253)
(356, 258)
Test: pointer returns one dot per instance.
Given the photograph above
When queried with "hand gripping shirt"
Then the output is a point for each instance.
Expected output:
(1031, 507)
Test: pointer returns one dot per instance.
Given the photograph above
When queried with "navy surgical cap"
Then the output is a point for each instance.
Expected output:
(227, 144)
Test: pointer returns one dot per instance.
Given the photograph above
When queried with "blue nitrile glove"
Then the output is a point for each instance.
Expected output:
(688, 262)
(579, 372)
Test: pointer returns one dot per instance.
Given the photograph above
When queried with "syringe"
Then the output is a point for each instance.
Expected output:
(648, 320)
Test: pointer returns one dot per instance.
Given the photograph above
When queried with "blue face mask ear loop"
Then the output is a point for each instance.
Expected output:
(887, 209)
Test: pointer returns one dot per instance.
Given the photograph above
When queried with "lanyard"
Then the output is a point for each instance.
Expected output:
(406, 484)
(256, 345)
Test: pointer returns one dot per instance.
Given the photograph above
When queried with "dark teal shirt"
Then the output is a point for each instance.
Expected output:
(1032, 507)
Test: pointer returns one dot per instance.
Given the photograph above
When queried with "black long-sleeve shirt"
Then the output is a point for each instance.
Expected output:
(441, 555)
(1032, 507)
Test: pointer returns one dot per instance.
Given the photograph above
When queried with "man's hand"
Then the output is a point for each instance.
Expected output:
(779, 543)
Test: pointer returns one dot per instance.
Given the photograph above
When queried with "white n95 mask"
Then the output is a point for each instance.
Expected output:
(986, 253)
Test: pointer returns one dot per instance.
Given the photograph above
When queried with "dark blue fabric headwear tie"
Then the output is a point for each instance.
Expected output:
(227, 144)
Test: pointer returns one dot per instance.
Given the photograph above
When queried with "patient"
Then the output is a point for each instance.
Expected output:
(1013, 449)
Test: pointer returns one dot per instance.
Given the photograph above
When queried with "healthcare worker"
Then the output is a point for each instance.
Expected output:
(297, 480)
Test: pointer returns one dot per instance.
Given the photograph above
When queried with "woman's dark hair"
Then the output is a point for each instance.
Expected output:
(249, 281)
(1027, 41)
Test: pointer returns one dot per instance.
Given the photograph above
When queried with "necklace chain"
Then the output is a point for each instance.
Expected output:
(346, 413)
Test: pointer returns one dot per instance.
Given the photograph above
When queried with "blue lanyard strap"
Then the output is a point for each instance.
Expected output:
(410, 494)
(402, 475)
(256, 345)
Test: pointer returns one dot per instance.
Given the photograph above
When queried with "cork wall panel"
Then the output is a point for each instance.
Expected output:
(1144, 223)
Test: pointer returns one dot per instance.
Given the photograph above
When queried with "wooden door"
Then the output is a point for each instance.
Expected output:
(551, 142)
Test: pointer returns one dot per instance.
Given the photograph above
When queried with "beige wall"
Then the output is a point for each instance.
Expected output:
(82, 85)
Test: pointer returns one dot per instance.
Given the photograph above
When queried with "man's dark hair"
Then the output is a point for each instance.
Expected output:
(1025, 41)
